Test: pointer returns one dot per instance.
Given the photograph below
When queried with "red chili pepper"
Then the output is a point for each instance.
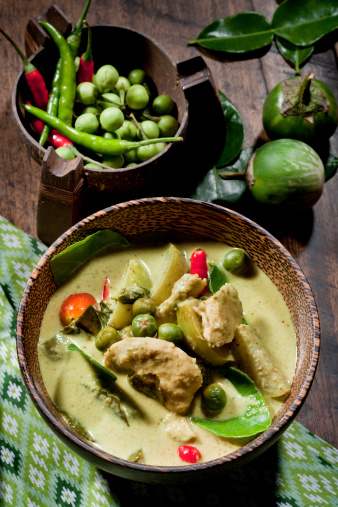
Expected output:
(86, 67)
(189, 453)
(106, 287)
(34, 78)
(74, 306)
(55, 139)
(199, 265)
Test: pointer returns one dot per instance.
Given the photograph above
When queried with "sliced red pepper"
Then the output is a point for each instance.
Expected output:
(106, 287)
(55, 139)
(34, 78)
(198, 265)
(189, 453)
(85, 72)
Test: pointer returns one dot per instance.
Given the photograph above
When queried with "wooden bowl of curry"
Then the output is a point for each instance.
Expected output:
(179, 220)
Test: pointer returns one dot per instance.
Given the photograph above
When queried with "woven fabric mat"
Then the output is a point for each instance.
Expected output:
(38, 470)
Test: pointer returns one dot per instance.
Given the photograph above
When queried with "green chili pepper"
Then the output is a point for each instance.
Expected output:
(68, 74)
(53, 101)
(74, 38)
(92, 142)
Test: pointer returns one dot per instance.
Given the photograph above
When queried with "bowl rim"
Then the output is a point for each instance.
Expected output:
(259, 443)
(123, 170)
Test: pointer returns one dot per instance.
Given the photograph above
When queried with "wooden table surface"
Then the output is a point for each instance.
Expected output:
(311, 239)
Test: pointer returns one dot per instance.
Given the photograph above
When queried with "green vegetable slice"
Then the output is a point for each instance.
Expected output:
(234, 132)
(66, 262)
(256, 418)
(306, 21)
(294, 54)
(102, 369)
(241, 33)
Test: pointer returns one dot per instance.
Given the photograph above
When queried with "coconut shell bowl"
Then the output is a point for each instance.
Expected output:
(209, 222)
(66, 187)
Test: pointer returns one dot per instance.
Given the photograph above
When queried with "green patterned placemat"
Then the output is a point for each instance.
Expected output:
(38, 470)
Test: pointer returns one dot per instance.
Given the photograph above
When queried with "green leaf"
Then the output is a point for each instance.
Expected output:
(212, 188)
(66, 262)
(240, 165)
(234, 132)
(241, 33)
(304, 22)
(330, 166)
(102, 369)
(217, 278)
(256, 418)
(294, 54)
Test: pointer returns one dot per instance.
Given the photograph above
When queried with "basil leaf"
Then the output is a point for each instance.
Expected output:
(66, 262)
(234, 132)
(294, 54)
(256, 418)
(304, 22)
(241, 33)
(102, 369)
(217, 278)
(212, 188)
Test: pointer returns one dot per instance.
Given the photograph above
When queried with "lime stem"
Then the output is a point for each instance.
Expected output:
(304, 94)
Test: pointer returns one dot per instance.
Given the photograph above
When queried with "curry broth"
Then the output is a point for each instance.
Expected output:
(73, 385)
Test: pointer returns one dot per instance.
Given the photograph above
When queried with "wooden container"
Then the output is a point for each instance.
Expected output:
(189, 83)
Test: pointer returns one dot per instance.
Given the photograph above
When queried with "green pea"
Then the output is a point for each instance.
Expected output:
(110, 135)
(168, 125)
(106, 337)
(160, 147)
(144, 325)
(111, 98)
(144, 305)
(132, 164)
(127, 131)
(137, 76)
(170, 332)
(106, 77)
(125, 332)
(150, 129)
(122, 84)
(146, 152)
(86, 93)
(214, 397)
(131, 156)
(87, 122)
(93, 108)
(111, 119)
(137, 97)
(91, 165)
(163, 104)
(65, 153)
(236, 261)
(114, 161)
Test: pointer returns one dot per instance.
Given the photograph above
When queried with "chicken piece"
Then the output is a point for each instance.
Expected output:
(178, 375)
(256, 362)
(179, 428)
(221, 314)
(187, 286)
